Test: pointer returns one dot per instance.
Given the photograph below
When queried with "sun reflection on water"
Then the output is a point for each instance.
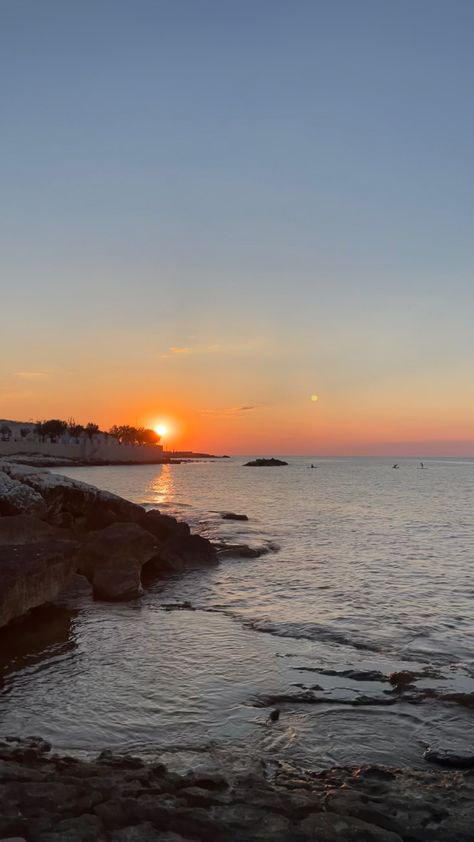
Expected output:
(161, 489)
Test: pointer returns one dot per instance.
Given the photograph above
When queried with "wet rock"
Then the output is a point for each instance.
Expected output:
(177, 549)
(225, 550)
(112, 559)
(177, 606)
(32, 574)
(232, 516)
(449, 758)
(330, 827)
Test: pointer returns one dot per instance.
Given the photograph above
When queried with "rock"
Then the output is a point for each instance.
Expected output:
(28, 529)
(112, 559)
(241, 550)
(265, 463)
(16, 497)
(449, 758)
(32, 574)
(163, 527)
(72, 504)
(177, 548)
(331, 827)
(85, 828)
(232, 516)
(144, 832)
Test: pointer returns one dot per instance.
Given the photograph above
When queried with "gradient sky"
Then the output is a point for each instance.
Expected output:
(213, 209)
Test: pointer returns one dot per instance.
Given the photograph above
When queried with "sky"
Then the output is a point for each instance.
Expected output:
(214, 210)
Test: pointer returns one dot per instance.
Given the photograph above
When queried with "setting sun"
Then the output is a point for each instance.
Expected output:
(161, 430)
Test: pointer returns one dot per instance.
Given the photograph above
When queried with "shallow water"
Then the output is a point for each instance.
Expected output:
(374, 572)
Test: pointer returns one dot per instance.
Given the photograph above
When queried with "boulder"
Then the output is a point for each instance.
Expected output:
(16, 497)
(177, 548)
(112, 559)
(28, 529)
(69, 503)
(32, 574)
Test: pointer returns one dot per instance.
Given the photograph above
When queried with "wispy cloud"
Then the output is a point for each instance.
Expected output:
(31, 375)
(217, 349)
(230, 412)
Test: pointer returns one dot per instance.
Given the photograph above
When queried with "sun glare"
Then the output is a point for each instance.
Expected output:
(161, 430)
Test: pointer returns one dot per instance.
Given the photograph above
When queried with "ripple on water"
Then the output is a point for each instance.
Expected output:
(374, 573)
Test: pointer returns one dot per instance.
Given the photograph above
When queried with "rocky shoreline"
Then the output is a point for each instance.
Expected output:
(51, 529)
(45, 797)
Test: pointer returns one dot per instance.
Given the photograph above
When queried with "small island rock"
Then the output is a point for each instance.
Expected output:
(265, 463)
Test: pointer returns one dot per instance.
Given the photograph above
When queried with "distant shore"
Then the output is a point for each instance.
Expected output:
(38, 460)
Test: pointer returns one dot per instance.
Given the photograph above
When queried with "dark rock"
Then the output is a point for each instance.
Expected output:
(332, 827)
(449, 758)
(112, 559)
(33, 574)
(264, 463)
(28, 529)
(163, 527)
(85, 828)
(232, 516)
(144, 832)
(177, 548)
(244, 550)
(213, 781)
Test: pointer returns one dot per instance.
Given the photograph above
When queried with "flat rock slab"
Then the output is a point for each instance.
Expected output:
(49, 798)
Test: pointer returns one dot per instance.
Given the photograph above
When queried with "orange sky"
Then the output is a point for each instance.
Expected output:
(212, 215)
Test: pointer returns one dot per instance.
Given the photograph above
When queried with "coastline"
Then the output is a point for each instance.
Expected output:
(121, 797)
(46, 797)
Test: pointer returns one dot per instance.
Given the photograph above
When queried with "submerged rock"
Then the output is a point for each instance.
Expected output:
(232, 516)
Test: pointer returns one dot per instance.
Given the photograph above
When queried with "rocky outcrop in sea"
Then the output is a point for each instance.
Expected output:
(53, 527)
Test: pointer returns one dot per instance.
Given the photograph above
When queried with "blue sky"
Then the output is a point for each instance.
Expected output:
(292, 177)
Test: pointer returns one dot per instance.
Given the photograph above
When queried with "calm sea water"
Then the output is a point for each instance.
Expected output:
(374, 572)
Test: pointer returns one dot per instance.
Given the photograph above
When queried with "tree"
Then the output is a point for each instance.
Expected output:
(52, 429)
(5, 432)
(92, 429)
(24, 432)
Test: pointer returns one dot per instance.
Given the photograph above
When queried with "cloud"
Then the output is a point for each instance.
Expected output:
(31, 375)
(228, 413)
(178, 350)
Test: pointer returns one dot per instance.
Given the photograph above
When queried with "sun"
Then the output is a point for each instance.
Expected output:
(161, 430)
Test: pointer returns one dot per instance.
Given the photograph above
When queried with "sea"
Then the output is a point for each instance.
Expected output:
(356, 622)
